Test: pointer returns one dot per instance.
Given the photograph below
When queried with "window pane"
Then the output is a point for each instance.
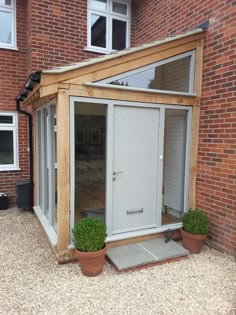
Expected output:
(5, 27)
(174, 165)
(172, 76)
(90, 160)
(6, 147)
(6, 119)
(5, 2)
(118, 34)
(99, 4)
(98, 31)
(119, 8)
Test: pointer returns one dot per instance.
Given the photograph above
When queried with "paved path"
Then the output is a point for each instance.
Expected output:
(31, 281)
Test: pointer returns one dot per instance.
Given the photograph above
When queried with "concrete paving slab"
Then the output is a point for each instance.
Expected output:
(144, 253)
(129, 256)
(162, 250)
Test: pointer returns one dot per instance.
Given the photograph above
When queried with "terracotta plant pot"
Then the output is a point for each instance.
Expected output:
(193, 242)
(91, 263)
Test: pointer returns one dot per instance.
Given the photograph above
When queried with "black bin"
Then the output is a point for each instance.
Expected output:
(24, 194)
(3, 201)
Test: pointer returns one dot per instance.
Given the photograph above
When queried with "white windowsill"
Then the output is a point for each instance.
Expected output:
(9, 48)
(105, 52)
(10, 169)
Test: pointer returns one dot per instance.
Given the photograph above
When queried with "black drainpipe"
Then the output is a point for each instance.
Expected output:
(30, 131)
(24, 189)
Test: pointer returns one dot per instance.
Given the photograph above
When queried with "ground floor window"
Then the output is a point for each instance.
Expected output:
(8, 141)
(46, 163)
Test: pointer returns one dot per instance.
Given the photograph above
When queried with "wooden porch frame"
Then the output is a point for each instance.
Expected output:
(71, 83)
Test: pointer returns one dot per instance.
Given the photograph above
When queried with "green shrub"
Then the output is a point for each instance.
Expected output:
(89, 234)
(195, 222)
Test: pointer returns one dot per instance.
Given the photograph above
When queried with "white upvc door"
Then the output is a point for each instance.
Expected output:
(135, 168)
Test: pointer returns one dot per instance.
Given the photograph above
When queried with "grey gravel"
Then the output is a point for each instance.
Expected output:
(32, 282)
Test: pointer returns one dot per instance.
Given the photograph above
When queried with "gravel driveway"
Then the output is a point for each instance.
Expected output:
(31, 281)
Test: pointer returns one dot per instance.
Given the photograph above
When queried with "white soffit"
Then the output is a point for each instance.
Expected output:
(123, 52)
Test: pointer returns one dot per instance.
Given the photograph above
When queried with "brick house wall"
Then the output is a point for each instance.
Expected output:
(59, 33)
(49, 34)
(216, 180)
(12, 76)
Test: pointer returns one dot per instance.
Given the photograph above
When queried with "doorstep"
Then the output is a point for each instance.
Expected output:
(145, 253)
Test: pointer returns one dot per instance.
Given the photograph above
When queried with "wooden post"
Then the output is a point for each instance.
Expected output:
(193, 156)
(63, 171)
(195, 126)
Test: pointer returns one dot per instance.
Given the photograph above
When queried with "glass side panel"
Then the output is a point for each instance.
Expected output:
(5, 27)
(6, 119)
(118, 34)
(90, 160)
(39, 159)
(120, 8)
(172, 76)
(174, 165)
(99, 4)
(98, 30)
(54, 166)
(6, 147)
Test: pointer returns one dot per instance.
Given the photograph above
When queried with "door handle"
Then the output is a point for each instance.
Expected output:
(117, 172)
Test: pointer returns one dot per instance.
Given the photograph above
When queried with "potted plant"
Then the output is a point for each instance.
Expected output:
(194, 230)
(90, 247)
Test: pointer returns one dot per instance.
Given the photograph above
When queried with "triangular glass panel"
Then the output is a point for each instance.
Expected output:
(174, 74)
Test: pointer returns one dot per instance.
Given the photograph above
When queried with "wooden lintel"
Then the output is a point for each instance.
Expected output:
(40, 102)
(47, 78)
(63, 173)
(48, 90)
(133, 96)
(64, 86)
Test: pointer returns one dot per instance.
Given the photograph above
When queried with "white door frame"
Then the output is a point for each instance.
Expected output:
(109, 163)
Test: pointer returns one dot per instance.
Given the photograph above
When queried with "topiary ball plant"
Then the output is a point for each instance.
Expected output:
(195, 222)
(89, 235)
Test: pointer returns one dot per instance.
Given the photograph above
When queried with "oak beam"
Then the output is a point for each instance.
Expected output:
(63, 174)
(193, 156)
(132, 96)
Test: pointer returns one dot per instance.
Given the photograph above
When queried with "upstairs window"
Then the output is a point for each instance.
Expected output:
(8, 141)
(7, 24)
(108, 25)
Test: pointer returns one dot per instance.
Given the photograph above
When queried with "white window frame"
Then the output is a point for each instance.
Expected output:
(106, 82)
(11, 127)
(109, 164)
(109, 15)
(45, 208)
(10, 9)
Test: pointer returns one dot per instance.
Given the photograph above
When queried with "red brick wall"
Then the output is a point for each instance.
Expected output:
(216, 180)
(59, 33)
(49, 34)
(12, 76)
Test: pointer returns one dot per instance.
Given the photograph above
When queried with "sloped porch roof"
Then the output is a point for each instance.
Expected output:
(49, 81)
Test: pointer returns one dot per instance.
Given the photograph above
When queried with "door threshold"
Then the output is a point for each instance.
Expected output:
(140, 233)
